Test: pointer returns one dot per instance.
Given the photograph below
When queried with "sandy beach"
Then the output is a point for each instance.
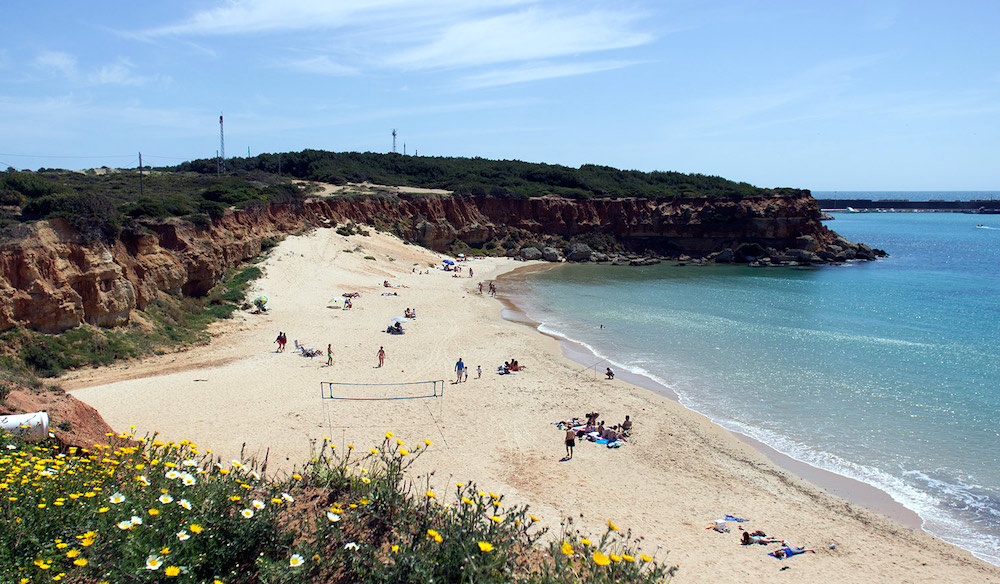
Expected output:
(677, 473)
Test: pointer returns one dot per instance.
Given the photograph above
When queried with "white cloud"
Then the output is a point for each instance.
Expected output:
(257, 16)
(118, 73)
(524, 35)
(407, 35)
(61, 62)
(319, 65)
(537, 72)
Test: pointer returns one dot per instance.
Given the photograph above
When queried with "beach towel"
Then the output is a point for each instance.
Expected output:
(615, 444)
(736, 519)
(601, 441)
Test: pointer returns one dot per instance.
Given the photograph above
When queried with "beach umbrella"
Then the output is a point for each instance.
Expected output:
(449, 262)
(461, 255)
(334, 300)
(400, 319)
(260, 301)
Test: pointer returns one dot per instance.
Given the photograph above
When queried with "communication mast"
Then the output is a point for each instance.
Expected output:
(394, 140)
(222, 146)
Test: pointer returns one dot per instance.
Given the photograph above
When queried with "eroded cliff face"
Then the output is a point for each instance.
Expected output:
(50, 280)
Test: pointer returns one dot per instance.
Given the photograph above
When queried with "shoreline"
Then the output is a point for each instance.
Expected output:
(853, 490)
(677, 473)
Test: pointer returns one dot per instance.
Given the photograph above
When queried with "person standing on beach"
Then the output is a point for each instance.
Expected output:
(479, 371)
(329, 355)
(381, 356)
(570, 443)
(460, 370)
(278, 340)
(480, 287)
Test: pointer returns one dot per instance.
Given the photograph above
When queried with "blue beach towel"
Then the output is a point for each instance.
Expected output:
(789, 552)
(736, 519)
(601, 441)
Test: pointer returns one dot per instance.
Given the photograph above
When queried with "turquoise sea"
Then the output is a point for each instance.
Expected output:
(887, 372)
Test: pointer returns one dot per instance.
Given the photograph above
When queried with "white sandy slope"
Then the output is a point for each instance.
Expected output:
(676, 475)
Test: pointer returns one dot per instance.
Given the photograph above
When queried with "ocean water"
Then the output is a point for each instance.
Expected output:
(887, 372)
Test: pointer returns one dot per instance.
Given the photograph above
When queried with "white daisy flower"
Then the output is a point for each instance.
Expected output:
(296, 560)
(154, 562)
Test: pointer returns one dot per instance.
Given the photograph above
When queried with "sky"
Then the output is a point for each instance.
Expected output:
(823, 95)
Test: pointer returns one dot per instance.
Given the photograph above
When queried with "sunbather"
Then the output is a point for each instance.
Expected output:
(760, 538)
(789, 551)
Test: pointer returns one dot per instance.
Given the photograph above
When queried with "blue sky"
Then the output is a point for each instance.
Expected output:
(838, 95)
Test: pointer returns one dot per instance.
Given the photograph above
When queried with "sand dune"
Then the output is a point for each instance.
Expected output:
(677, 474)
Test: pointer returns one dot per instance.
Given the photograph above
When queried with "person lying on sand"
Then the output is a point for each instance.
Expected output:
(787, 552)
(759, 538)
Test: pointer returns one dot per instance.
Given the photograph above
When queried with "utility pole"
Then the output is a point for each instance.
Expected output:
(140, 174)
(404, 148)
(218, 164)
(222, 147)
(394, 140)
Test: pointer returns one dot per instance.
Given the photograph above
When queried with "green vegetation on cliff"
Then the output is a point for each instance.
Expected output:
(480, 176)
(99, 206)
(101, 203)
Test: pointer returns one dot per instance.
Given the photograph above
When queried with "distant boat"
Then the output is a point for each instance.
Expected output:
(852, 210)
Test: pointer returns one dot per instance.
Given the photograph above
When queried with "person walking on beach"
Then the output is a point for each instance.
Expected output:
(480, 287)
(479, 371)
(329, 355)
(570, 443)
(381, 356)
(278, 340)
(460, 370)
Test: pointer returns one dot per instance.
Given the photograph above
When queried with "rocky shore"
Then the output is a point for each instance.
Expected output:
(807, 252)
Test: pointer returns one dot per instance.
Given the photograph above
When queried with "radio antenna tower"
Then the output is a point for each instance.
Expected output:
(394, 140)
(222, 146)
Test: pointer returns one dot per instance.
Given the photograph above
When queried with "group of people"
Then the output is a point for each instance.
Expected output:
(282, 340)
(594, 429)
(395, 328)
(761, 538)
(509, 367)
(410, 313)
(462, 371)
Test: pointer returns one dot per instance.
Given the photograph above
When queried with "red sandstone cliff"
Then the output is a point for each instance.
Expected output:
(51, 281)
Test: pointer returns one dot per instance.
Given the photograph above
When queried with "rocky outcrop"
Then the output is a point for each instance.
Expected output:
(579, 252)
(550, 254)
(531, 253)
(50, 280)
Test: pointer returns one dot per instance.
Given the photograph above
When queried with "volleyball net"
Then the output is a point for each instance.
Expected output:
(339, 390)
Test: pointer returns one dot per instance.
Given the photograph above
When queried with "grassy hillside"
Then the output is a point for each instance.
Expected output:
(481, 176)
(100, 203)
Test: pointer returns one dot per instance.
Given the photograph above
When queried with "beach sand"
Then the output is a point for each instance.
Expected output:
(677, 474)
